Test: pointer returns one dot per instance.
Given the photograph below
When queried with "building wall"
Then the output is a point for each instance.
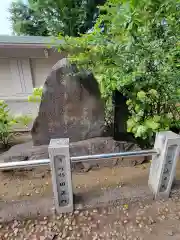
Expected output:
(15, 77)
(18, 77)
(41, 68)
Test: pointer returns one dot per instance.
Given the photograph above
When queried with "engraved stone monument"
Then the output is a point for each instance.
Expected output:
(71, 106)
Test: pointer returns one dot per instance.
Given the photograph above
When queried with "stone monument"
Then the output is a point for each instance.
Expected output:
(71, 106)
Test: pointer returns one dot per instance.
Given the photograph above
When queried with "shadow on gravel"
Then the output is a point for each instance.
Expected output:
(176, 185)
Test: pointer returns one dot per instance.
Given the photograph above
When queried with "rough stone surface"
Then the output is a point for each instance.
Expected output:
(103, 145)
(27, 151)
(71, 106)
(24, 152)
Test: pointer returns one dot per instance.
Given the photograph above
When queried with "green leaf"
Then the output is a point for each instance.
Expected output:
(141, 96)
(149, 123)
(141, 131)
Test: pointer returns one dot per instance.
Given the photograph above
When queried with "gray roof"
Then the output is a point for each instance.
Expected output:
(28, 40)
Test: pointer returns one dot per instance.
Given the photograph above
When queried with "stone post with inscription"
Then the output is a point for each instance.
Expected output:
(61, 174)
(163, 166)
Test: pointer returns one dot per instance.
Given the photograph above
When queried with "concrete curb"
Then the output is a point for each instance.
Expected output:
(28, 209)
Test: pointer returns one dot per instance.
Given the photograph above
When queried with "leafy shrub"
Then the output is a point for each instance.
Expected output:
(134, 48)
(7, 123)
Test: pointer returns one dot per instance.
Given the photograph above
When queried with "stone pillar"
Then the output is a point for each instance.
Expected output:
(61, 174)
(163, 166)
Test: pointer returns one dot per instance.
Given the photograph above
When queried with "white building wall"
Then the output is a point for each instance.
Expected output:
(41, 68)
(5, 77)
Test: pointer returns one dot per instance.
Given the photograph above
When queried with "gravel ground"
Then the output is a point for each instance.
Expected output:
(142, 220)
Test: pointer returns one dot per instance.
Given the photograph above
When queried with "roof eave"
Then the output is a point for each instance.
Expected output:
(2, 45)
(28, 41)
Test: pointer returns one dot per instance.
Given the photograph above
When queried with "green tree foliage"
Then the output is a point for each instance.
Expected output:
(26, 21)
(51, 17)
(134, 47)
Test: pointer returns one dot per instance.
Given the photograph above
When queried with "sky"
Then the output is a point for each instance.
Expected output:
(5, 26)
